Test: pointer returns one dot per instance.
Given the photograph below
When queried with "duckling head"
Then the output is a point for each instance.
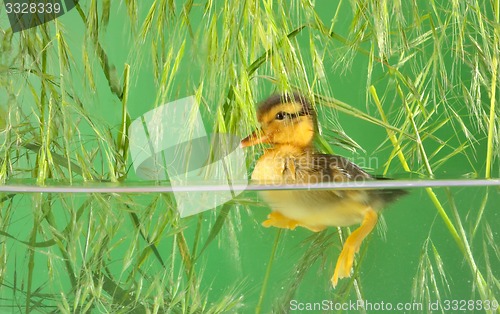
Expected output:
(286, 119)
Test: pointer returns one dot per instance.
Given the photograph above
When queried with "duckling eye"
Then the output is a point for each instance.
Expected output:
(280, 115)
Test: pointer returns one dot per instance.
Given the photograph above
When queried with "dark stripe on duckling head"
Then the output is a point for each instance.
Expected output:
(282, 115)
(278, 99)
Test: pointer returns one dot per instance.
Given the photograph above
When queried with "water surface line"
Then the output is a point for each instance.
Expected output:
(153, 187)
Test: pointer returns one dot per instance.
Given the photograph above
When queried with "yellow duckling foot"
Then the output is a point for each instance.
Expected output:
(352, 245)
(277, 220)
(313, 228)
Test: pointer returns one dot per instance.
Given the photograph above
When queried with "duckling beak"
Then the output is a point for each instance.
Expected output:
(255, 138)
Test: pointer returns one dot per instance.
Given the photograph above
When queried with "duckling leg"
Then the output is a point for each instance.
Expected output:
(313, 228)
(351, 246)
(276, 219)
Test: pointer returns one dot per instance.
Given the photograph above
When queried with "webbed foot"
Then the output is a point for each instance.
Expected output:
(277, 220)
(352, 245)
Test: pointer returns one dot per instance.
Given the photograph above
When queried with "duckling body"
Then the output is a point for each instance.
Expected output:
(288, 123)
(314, 210)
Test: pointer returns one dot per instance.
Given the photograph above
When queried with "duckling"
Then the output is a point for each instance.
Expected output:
(288, 125)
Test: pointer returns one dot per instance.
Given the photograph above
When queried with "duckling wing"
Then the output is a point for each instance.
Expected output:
(332, 168)
(328, 168)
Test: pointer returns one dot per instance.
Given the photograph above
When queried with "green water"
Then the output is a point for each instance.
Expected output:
(94, 240)
(435, 250)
